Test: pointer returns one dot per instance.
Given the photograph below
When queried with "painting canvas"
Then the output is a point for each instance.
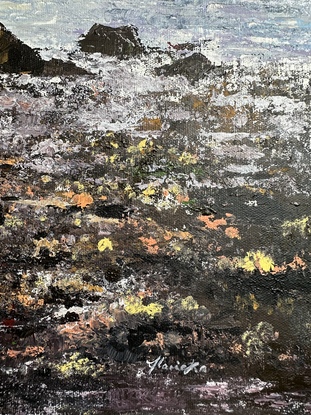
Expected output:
(154, 207)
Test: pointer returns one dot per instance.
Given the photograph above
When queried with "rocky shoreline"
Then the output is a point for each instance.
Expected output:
(153, 205)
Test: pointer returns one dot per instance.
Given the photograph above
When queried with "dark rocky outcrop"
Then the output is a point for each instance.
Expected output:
(122, 42)
(188, 46)
(56, 67)
(17, 57)
(193, 67)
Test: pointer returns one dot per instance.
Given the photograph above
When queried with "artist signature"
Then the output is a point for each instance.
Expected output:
(160, 363)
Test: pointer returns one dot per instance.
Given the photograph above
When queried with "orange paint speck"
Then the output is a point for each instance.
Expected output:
(150, 244)
(29, 192)
(212, 223)
(151, 124)
(277, 269)
(82, 200)
(148, 241)
(13, 353)
(168, 236)
(298, 263)
(69, 194)
(153, 249)
(182, 198)
(232, 232)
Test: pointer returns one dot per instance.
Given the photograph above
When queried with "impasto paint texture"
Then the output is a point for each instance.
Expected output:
(155, 217)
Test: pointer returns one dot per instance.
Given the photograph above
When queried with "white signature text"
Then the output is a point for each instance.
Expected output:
(160, 363)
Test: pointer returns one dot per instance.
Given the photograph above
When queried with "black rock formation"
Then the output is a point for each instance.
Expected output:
(193, 67)
(112, 211)
(56, 67)
(122, 42)
(17, 57)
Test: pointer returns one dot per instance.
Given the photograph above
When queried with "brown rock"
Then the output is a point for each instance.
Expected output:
(193, 67)
(121, 41)
(56, 67)
(17, 57)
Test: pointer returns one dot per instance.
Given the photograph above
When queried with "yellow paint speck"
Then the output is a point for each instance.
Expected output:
(298, 225)
(188, 158)
(46, 179)
(113, 158)
(149, 191)
(142, 145)
(80, 186)
(77, 222)
(104, 244)
(134, 305)
(256, 260)
(189, 303)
